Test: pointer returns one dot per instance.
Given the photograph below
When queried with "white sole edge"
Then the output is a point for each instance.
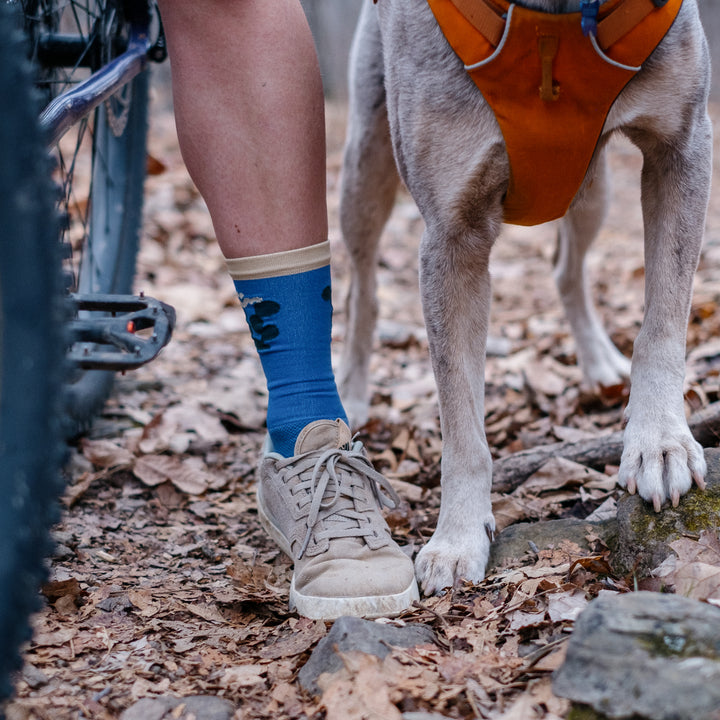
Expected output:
(321, 608)
(371, 606)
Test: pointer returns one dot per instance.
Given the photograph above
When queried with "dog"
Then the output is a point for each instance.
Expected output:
(416, 114)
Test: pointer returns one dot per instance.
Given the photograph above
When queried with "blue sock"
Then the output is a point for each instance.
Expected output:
(287, 303)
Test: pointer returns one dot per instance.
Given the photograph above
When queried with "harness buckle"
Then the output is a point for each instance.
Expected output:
(589, 10)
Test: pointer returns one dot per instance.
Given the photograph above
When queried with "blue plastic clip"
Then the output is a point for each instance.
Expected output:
(589, 10)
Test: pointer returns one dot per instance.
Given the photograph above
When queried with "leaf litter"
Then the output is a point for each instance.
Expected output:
(163, 582)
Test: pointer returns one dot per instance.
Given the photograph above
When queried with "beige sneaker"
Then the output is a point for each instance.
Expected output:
(322, 507)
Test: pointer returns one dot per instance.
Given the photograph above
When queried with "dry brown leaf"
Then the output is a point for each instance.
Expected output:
(359, 691)
(305, 634)
(559, 473)
(106, 453)
(566, 606)
(143, 600)
(598, 564)
(243, 676)
(155, 469)
(154, 165)
(188, 475)
(206, 611)
(176, 427)
(694, 568)
(520, 619)
(56, 589)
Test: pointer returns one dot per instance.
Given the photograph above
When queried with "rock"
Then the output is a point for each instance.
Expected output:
(515, 541)
(352, 633)
(647, 655)
(644, 536)
(198, 707)
(584, 712)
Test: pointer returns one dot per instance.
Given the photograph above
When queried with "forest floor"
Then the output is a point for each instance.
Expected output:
(163, 582)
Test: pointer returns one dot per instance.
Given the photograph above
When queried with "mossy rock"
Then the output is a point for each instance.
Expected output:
(584, 712)
(644, 536)
(643, 654)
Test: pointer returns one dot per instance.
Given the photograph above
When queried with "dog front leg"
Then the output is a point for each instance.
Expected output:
(455, 287)
(661, 458)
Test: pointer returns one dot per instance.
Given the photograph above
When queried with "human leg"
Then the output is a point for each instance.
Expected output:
(250, 116)
(249, 111)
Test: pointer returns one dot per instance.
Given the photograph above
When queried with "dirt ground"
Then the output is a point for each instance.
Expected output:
(163, 582)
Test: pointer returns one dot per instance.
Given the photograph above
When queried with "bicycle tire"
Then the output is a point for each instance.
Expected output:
(31, 352)
(104, 219)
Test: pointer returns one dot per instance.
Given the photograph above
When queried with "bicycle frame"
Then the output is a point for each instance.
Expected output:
(71, 106)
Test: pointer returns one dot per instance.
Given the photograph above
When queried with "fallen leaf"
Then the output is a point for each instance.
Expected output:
(242, 676)
(566, 606)
(358, 691)
(305, 634)
(106, 453)
(188, 475)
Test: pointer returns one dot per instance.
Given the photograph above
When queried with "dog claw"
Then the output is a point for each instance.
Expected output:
(657, 503)
(700, 481)
(675, 498)
(631, 486)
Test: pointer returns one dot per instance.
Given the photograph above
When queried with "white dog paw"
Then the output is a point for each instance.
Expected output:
(607, 367)
(661, 466)
(444, 562)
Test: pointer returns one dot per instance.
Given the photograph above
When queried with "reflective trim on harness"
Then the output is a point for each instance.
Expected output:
(551, 87)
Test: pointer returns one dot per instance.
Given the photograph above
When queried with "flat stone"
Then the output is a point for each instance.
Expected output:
(353, 633)
(644, 655)
(199, 707)
(514, 542)
(644, 536)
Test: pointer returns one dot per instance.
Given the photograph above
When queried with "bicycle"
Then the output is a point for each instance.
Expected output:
(67, 318)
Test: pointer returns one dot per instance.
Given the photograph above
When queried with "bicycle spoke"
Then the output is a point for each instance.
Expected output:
(94, 30)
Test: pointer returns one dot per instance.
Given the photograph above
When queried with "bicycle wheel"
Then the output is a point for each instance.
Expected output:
(101, 161)
(31, 352)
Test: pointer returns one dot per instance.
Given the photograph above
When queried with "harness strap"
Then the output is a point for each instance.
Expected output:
(622, 20)
(484, 18)
(488, 19)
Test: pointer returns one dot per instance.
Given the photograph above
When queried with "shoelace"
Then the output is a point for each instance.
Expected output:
(326, 470)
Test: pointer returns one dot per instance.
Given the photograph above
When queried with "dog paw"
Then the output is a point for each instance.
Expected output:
(444, 562)
(661, 465)
(606, 367)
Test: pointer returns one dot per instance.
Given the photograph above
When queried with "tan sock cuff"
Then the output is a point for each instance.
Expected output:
(290, 262)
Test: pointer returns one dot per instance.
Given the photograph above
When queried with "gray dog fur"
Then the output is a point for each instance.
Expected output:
(416, 114)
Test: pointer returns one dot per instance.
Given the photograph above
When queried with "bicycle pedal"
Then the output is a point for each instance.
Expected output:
(117, 332)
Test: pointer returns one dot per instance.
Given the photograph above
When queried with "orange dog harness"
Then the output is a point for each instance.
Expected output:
(551, 80)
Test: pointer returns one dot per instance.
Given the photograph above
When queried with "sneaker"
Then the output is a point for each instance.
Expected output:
(323, 508)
